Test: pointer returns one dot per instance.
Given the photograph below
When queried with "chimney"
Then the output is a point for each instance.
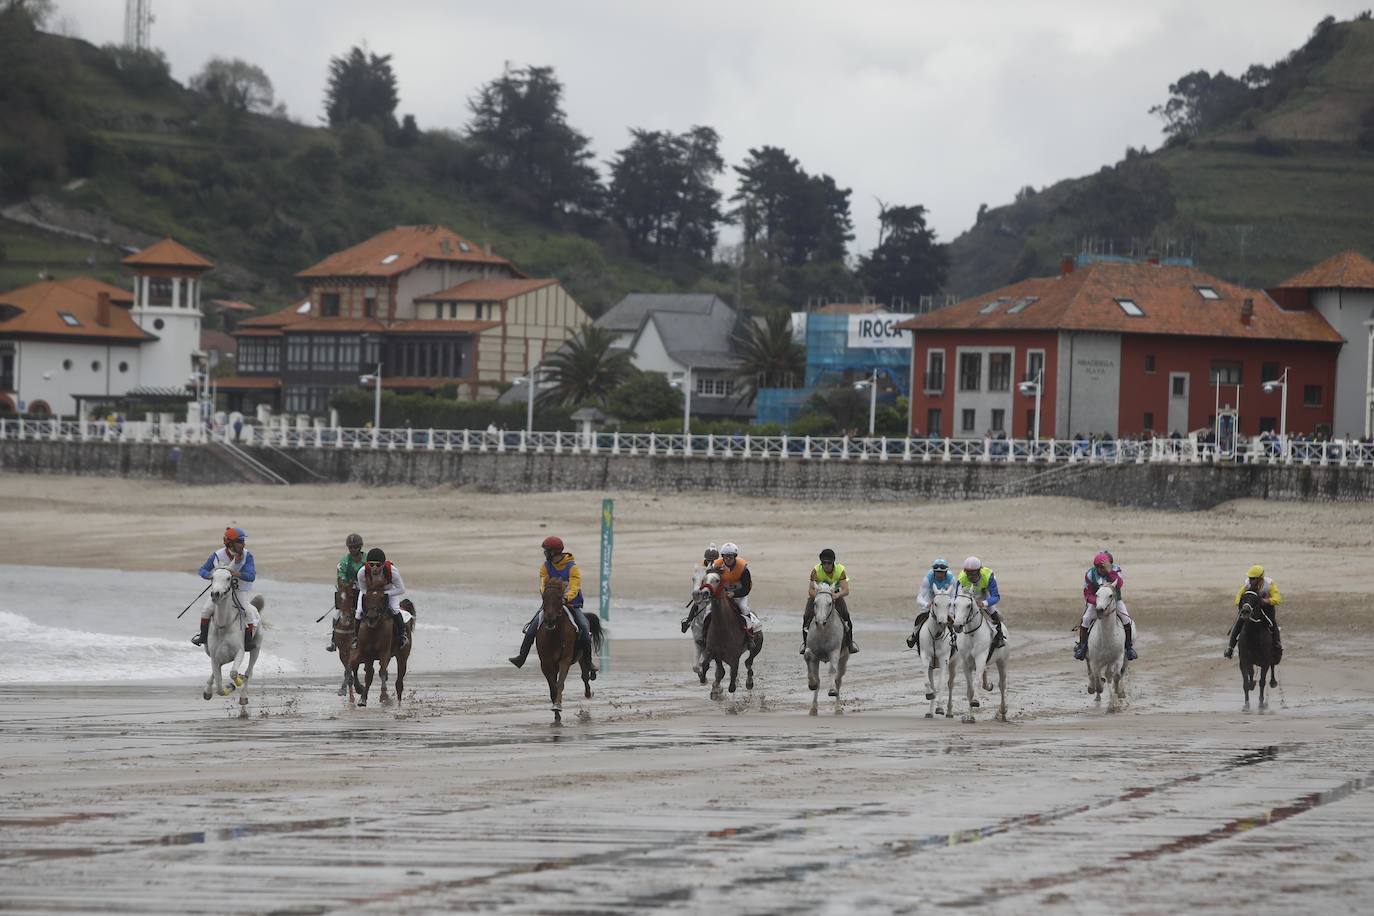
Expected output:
(1247, 311)
(102, 309)
(1065, 265)
(486, 247)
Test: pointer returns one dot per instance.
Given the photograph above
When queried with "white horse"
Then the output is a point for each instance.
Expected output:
(976, 633)
(932, 642)
(825, 643)
(701, 603)
(1107, 649)
(225, 643)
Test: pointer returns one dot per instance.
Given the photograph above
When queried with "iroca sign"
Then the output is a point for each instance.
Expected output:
(877, 332)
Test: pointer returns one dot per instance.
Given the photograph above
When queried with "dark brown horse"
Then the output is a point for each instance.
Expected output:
(345, 600)
(375, 639)
(1256, 644)
(556, 642)
(726, 641)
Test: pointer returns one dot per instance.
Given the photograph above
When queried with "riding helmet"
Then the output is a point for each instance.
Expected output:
(1256, 572)
(552, 542)
(827, 555)
(940, 563)
(728, 549)
(376, 555)
(353, 540)
(973, 564)
(711, 553)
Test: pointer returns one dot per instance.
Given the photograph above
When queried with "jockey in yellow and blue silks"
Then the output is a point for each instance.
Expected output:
(979, 582)
(559, 564)
(239, 562)
(1262, 585)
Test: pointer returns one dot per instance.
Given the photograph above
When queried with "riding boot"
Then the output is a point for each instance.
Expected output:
(204, 633)
(248, 638)
(357, 626)
(1130, 649)
(916, 628)
(806, 622)
(519, 659)
(848, 626)
(999, 639)
(1080, 651)
(331, 647)
(1235, 634)
(1278, 641)
(399, 637)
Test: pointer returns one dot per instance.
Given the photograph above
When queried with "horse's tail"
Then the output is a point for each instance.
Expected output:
(598, 634)
(259, 602)
(408, 605)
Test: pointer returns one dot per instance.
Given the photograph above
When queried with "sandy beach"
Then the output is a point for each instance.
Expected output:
(132, 794)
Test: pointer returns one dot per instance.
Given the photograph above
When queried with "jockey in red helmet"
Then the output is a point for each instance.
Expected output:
(559, 564)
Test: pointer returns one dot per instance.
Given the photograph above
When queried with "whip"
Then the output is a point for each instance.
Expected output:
(325, 614)
(193, 601)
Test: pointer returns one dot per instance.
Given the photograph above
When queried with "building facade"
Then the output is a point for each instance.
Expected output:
(1121, 348)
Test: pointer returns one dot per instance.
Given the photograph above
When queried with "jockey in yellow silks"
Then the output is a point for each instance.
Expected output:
(1262, 585)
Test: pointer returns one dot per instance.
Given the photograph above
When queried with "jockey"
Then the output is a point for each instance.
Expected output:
(830, 573)
(937, 581)
(979, 582)
(1262, 585)
(737, 583)
(380, 573)
(708, 559)
(1104, 571)
(240, 562)
(559, 564)
(346, 574)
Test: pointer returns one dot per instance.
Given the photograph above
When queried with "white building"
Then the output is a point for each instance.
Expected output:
(167, 280)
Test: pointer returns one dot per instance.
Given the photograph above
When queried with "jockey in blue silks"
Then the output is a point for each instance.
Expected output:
(239, 561)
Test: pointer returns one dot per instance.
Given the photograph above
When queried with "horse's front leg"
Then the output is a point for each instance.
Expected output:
(210, 682)
(1263, 681)
(1002, 688)
(813, 681)
(716, 692)
(734, 675)
(952, 664)
(969, 674)
(384, 664)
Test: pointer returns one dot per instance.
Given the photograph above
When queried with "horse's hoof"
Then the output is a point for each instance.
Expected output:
(362, 703)
(833, 693)
(813, 687)
(930, 715)
(968, 720)
(238, 679)
(343, 690)
(974, 704)
(226, 690)
(1091, 691)
(732, 689)
(939, 711)
(930, 696)
(243, 701)
(813, 711)
(206, 694)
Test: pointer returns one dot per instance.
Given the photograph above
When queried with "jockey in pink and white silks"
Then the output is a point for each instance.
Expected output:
(379, 571)
(1104, 571)
(239, 561)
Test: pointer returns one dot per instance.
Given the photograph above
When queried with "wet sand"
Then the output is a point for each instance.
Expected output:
(141, 797)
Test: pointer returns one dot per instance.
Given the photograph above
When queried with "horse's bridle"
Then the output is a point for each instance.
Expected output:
(1253, 608)
(977, 612)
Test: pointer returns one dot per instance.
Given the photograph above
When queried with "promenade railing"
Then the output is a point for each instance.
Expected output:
(1188, 450)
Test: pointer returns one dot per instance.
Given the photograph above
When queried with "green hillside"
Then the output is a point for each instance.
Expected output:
(127, 155)
(1281, 183)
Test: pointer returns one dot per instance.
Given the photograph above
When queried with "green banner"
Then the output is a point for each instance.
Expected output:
(607, 543)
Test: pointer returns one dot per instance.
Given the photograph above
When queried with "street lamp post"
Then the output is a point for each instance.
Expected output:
(687, 404)
(1280, 385)
(872, 385)
(376, 380)
(1035, 388)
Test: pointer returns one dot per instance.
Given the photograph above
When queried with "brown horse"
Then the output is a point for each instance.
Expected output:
(726, 641)
(374, 645)
(556, 642)
(345, 600)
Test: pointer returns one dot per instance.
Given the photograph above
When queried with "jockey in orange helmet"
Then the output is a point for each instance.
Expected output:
(239, 561)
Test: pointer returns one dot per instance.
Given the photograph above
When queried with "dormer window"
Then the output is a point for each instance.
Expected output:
(1020, 304)
(69, 319)
(1208, 292)
(1130, 308)
(390, 259)
(464, 246)
(994, 305)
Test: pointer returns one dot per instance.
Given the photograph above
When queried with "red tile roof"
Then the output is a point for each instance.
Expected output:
(492, 289)
(398, 250)
(233, 305)
(211, 339)
(1086, 300)
(168, 253)
(40, 306)
(280, 319)
(246, 382)
(1347, 270)
(848, 308)
(440, 326)
(258, 332)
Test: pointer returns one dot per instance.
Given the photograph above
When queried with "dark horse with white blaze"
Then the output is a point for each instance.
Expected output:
(726, 640)
(375, 639)
(556, 642)
(1256, 644)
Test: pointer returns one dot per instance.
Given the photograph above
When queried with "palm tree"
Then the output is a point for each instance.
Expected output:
(586, 368)
(769, 356)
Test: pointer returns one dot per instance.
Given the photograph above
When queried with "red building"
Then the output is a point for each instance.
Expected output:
(1119, 347)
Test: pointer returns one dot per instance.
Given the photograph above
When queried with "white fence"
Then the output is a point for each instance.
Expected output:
(1342, 453)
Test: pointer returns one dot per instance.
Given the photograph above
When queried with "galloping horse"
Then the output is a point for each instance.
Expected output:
(375, 638)
(346, 627)
(556, 641)
(700, 606)
(726, 639)
(932, 642)
(225, 642)
(825, 643)
(1107, 649)
(973, 655)
(1256, 644)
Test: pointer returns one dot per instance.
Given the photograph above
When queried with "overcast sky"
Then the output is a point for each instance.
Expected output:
(947, 104)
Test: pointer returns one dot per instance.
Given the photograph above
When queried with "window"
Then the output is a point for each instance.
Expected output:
(714, 387)
(1311, 395)
(1020, 304)
(1178, 386)
(329, 305)
(1149, 421)
(1150, 362)
(1035, 362)
(67, 364)
(390, 259)
(993, 305)
(1030, 423)
(970, 371)
(297, 353)
(1208, 292)
(999, 420)
(934, 419)
(1270, 372)
(322, 352)
(1268, 424)
(350, 349)
(477, 312)
(123, 367)
(452, 310)
(1225, 373)
(1130, 308)
(159, 290)
(369, 306)
(70, 320)
(999, 372)
(95, 365)
(158, 324)
(935, 371)
(970, 418)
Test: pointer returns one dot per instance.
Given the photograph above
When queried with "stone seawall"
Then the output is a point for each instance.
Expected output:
(1144, 485)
